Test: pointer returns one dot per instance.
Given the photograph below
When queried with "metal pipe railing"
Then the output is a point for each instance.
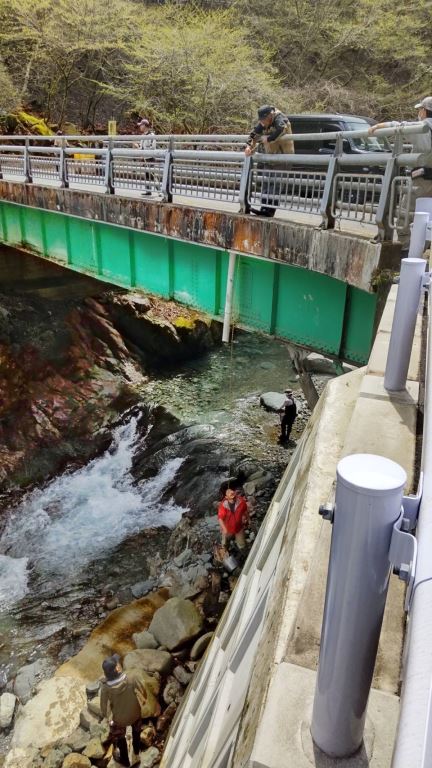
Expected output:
(269, 180)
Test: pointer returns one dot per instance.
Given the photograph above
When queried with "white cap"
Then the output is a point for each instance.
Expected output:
(426, 103)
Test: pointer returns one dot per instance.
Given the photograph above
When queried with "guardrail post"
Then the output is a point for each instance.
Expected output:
(229, 297)
(62, 165)
(328, 220)
(368, 502)
(27, 167)
(167, 173)
(108, 167)
(385, 231)
(244, 184)
(404, 322)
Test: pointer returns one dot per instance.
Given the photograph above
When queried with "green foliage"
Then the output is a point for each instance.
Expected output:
(205, 65)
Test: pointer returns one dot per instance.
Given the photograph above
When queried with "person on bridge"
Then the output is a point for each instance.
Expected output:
(272, 135)
(288, 413)
(233, 518)
(119, 703)
(421, 176)
(147, 142)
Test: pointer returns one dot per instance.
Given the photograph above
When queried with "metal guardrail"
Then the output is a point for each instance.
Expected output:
(214, 168)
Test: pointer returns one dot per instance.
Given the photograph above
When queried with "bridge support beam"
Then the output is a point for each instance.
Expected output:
(229, 297)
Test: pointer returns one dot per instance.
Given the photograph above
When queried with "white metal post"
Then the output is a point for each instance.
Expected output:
(418, 235)
(229, 298)
(404, 322)
(368, 502)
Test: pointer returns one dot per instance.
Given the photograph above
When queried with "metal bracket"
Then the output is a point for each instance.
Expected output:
(403, 555)
(327, 512)
(411, 505)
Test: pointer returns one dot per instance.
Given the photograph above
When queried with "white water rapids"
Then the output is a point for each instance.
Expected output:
(81, 516)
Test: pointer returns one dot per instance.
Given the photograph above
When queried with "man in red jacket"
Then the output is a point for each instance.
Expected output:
(233, 518)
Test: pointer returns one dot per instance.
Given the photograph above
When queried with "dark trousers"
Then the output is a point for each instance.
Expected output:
(118, 738)
(286, 427)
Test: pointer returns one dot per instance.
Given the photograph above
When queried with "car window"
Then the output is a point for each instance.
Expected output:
(366, 143)
(305, 126)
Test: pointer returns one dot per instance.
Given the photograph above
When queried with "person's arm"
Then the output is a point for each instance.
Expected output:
(253, 139)
(389, 124)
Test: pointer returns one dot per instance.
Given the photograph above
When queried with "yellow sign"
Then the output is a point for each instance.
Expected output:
(112, 127)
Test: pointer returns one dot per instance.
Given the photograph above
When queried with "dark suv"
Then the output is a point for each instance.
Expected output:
(329, 124)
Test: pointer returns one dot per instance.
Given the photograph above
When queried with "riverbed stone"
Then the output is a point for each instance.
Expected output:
(75, 760)
(183, 558)
(272, 401)
(149, 758)
(145, 640)
(7, 710)
(27, 679)
(164, 721)
(172, 692)
(87, 719)
(94, 750)
(148, 735)
(142, 588)
(51, 715)
(176, 622)
(182, 675)
(54, 759)
(200, 646)
(78, 740)
(149, 660)
(94, 706)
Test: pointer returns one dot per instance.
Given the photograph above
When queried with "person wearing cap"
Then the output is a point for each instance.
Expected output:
(288, 413)
(233, 518)
(422, 175)
(272, 135)
(273, 131)
(119, 703)
(147, 142)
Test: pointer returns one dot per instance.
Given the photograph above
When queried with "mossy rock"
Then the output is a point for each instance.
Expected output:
(29, 123)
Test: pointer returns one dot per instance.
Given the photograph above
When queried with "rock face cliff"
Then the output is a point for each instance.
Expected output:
(70, 366)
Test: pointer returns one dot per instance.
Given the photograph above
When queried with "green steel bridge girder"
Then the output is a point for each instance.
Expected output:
(289, 302)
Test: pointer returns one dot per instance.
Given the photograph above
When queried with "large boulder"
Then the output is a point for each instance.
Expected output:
(144, 640)
(272, 401)
(17, 757)
(177, 622)
(149, 660)
(53, 714)
(7, 709)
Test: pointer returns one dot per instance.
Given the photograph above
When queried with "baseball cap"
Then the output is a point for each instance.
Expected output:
(264, 111)
(143, 121)
(426, 103)
(109, 666)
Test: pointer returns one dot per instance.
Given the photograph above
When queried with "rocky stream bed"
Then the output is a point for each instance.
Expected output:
(121, 419)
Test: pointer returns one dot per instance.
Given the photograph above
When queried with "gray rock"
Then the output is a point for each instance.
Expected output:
(75, 760)
(182, 675)
(149, 758)
(94, 707)
(249, 488)
(94, 750)
(125, 595)
(145, 640)
(100, 730)
(255, 475)
(92, 688)
(176, 622)
(172, 692)
(206, 557)
(27, 679)
(78, 740)
(142, 588)
(272, 401)
(149, 660)
(87, 719)
(54, 759)
(183, 558)
(200, 646)
(7, 710)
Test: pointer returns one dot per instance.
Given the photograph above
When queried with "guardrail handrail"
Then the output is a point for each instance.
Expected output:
(326, 184)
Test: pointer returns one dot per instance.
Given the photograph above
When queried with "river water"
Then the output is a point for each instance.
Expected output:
(65, 541)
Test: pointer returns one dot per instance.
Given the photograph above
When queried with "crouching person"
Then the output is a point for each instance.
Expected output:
(120, 705)
(233, 519)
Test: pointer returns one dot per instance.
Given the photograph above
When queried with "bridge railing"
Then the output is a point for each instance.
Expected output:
(371, 187)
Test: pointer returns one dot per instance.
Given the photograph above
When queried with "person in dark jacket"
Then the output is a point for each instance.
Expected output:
(288, 414)
(119, 703)
(272, 133)
(273, 130)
